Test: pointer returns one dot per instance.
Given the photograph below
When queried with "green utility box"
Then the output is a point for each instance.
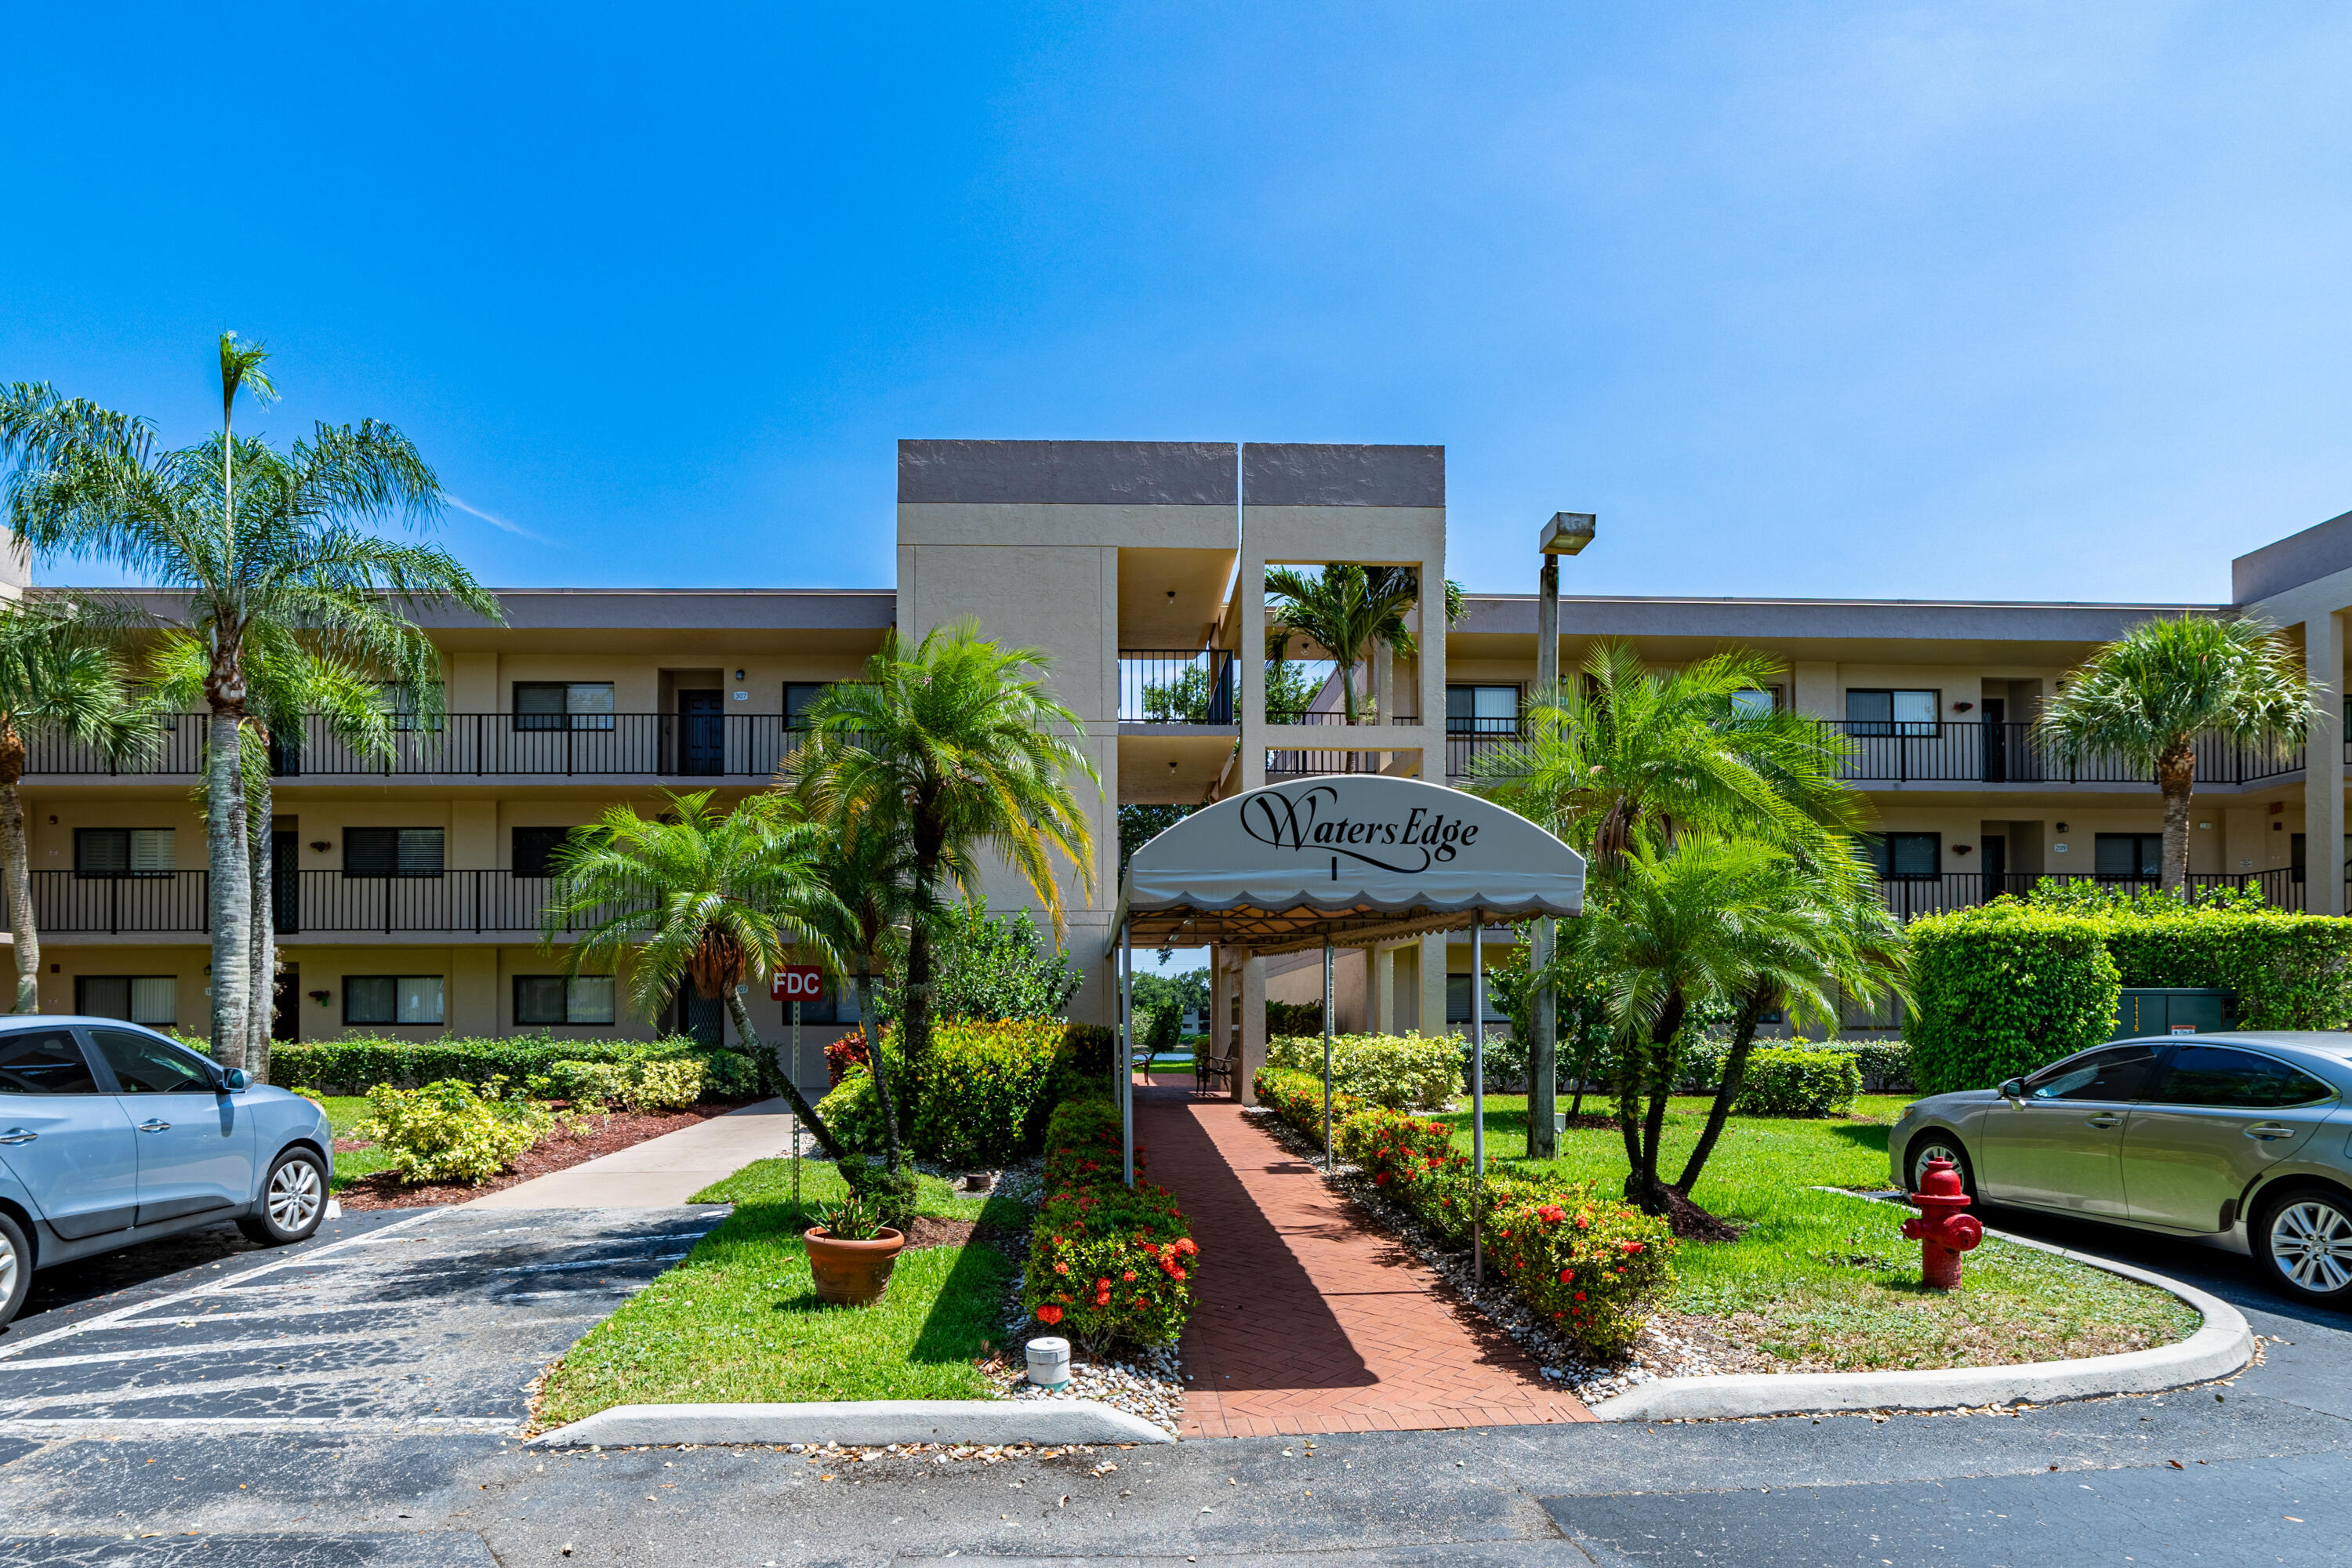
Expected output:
(2173, 1010)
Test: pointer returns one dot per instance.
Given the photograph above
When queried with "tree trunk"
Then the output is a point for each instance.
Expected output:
(1752, 1008)
(264, 1015)
(1543, 1048)
(21, 924)
(916, 1024)
(230, 897)
(874, 1060)
(801, 1107)
(1643, 1187)
(2176, 775)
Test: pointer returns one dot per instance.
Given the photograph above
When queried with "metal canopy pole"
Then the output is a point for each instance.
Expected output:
(1478, 1086)
(1127, 1050)
(1326, 1053)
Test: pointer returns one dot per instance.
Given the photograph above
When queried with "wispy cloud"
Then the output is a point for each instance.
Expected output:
(495, 521)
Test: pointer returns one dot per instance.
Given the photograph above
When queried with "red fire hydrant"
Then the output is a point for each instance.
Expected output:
(1942, 1232)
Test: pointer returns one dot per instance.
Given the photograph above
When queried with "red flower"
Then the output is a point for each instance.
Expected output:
(1567, 1276)
(1129, 1277)
(1049, 1315)
(1628, 1248)
(1579, 1295)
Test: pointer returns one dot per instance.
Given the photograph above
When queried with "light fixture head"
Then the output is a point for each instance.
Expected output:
(739, 675)
(1567, 533)
(322, 845)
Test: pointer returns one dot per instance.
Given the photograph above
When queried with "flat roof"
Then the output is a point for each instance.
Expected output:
(1934, 620)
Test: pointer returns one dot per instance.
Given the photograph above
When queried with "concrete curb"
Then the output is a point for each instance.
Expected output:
(2221, 1347)
(862, 1423)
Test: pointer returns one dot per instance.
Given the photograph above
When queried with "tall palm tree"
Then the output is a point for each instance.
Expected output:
(1633, 750)
(257, 538)
(286, 682)
(954, 747)
(59, 677)
(1348, 610)
(697, 897)
(2147, 696)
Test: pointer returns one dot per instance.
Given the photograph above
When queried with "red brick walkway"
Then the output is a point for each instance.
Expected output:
(1306, 1320)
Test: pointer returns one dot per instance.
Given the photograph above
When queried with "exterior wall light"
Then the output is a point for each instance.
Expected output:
(321, 845)
(1961, 849)
(1962, 707)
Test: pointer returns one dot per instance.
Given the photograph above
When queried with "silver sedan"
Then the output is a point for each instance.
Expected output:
(2239, 1138)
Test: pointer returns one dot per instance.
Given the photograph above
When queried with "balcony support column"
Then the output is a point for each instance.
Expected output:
(2323, 778)
(1251, 1055)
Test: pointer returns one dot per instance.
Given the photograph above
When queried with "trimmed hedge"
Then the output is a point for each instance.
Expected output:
(1106, 1264)
(1790, 1081)
(357, 1065)
(1591, 1264)
(2003, 989)
(1885, 1065)
(986, 1092)
(1394, 1070)
(2289, 971)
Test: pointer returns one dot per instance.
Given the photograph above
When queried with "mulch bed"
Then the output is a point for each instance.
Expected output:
(932, 1231)
(555, 1152)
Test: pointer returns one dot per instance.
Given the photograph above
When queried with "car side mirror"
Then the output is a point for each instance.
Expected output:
(2012, 1089)
(234, 1079)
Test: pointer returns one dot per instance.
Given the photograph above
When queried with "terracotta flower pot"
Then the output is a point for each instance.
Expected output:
(852, 1273)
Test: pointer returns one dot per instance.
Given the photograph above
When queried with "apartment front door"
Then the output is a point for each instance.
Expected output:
(701, 733)
(1994, 847)
(1995, 743)
(285, 1020)
(285, 881)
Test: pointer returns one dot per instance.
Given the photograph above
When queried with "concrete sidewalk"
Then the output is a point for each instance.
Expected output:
(660, 1172)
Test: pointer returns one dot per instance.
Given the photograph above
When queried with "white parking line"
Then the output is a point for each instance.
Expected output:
(210, 1347)
(105, 1319)
(74, 1427)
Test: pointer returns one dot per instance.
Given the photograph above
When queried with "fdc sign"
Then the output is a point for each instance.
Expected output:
(796, 982)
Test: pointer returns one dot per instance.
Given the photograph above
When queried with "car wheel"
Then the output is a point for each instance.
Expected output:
(16, 1269)
(2304, 1242)
(293, 1200)
(1939, 1145)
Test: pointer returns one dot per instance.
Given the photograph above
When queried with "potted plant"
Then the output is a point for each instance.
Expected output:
(852, 1253)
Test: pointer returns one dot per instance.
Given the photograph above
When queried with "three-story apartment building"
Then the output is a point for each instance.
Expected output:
(408, 895)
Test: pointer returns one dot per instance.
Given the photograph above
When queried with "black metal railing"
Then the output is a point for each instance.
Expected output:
(477, 745)
(1891, 752)
(1911, 897)
(305, 903)
(1365, 718)
(1161, 686)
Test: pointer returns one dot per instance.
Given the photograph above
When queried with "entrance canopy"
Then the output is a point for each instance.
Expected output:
(1350, 859)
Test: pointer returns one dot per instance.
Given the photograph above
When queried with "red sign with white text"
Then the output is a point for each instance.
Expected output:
(796, 982)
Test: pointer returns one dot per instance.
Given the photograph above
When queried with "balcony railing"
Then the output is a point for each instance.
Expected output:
(306, 903)
(1884, 752)
(1911, 897)
(477, 745)
(1174, 687)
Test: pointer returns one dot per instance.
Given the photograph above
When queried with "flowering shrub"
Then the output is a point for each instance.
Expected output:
(450, 1131)
(1394, 1070)
(1396, 1148)
(1298, 1098)
(847, 1052)
(1106, 1264)
(1590, 1264)
(633, 1086)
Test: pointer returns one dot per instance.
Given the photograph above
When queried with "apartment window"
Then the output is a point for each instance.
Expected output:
(2119, 856)
(798, 695)
(1882, 711)
(563, 705)
(535, 847)
(391, 851)
(400, 705)
(122, 851)
(153, 999)
(836, 1003)
(1457, 1001)
(1756, 702)
(392, 998)
(1482, 711)
(553, 999)
(1906, 856)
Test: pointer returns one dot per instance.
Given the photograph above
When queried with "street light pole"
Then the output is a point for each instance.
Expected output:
(1565, 534)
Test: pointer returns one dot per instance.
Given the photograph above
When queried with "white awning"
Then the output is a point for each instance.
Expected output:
(1352, 859)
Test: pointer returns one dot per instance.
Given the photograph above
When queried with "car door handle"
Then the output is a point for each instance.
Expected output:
(2270, 1130)
(152, 1125)
(17, 1135)
(2103, 1120)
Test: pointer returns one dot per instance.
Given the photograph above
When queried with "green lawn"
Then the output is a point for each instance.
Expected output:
(345, 1111)
(740, 1319)
(1826, 1281)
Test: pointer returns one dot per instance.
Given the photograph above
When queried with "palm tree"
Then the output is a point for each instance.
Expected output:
(2147, 696)
(286, 682)
(257, 538)
(951, 748)
(59, 676)
(698, 897)
(1347, 610)
(1637, 750)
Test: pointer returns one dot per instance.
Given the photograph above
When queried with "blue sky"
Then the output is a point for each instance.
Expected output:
(1973, 300)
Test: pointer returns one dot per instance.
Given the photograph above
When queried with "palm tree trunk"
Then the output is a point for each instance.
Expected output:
(1643, 1187)
(21, 924)
(264, 1013)
(2176, 775)
(801, 1107)
(916, 1024)
(1752, 1008)
(230, 897)
(873, 1064)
